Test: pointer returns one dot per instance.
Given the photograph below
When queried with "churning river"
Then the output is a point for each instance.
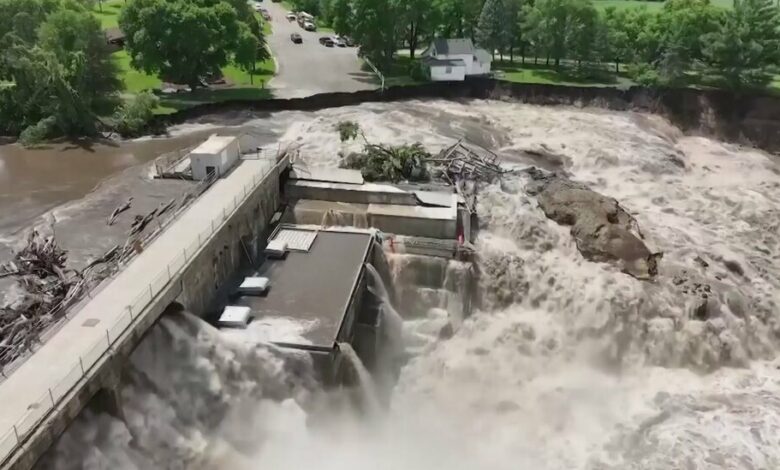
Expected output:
(568, 363)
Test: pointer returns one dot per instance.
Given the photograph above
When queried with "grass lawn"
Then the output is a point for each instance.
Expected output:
(541, 73)
(263, 72)
(175, 102)
(134, 80)
(246, 86)
(397, 75)
(650, 5)
(110, 12)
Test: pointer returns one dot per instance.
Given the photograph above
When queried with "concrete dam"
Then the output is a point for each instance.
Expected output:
(346, 244)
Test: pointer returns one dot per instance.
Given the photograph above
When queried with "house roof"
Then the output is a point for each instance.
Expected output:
(112, 34)
(483, 56)
(430, 61)
(453, 46)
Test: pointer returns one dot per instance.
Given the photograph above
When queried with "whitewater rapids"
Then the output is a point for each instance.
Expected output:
(569, 364)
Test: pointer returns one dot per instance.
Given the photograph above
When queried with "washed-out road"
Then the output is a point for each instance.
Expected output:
(309, 68)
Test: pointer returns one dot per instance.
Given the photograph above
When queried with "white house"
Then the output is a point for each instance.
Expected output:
(455, 59)
(216, 156)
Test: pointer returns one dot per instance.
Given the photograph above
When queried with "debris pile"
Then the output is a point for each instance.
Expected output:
(460, 162)
(48, 287)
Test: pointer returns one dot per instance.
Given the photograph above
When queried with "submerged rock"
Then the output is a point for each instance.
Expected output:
(603, 231)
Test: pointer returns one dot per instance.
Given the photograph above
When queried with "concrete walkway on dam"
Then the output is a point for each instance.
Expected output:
(50, 373)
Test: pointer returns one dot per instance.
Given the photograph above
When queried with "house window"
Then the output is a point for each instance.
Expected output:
(448, 70)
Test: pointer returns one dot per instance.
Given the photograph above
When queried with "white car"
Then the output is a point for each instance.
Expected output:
(339, 41)
(309, 26)
(291, 17)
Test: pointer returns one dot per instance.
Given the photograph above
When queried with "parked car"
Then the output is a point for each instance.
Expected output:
(349, 41)
(326, 41)
(296, 38)
(291, 17)
(309, 26)
(338, 41)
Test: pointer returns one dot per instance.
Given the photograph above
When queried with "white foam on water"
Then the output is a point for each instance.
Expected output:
(570, 364)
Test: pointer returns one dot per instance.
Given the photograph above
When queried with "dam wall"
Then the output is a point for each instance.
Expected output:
(743, 117)
(189, 263)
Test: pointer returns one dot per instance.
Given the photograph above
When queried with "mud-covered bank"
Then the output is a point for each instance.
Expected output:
(747, 118)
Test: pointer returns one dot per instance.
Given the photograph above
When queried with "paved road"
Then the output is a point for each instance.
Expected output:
(309, 68)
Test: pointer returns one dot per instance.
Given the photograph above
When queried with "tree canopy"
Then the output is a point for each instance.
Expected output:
(744, 50)
(686, 41)
(59, 73)
(186, 41)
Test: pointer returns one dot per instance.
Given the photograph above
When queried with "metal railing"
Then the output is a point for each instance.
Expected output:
(161, 224)
(14, 437)
(378, 73)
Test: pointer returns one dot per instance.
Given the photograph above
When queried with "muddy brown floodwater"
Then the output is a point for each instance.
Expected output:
(33, 181)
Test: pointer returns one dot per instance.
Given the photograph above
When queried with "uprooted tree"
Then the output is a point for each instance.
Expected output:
(384, 163)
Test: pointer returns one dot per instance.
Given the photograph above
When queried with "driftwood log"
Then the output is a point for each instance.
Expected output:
(119, 210)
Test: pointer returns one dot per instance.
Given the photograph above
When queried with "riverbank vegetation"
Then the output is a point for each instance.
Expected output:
(61, 77)
(59, 70)
(734, 45)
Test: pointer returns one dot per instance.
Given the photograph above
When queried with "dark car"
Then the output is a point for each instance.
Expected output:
(327, 41)
(296, 38)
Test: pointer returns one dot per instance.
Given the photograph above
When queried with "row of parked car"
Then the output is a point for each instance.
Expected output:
(338, 41)
(327, 41)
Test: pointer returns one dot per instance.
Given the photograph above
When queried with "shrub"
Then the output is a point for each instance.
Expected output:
(134, 116)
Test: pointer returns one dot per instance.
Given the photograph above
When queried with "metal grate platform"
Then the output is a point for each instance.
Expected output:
(297, 240)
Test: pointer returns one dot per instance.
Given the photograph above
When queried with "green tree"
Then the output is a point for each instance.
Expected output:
(458, 18)
(513, 32)
(76, 39)
(745, 49)
(417, 20)
(341, 17)
(682, 25)
(59, 69)
(247, 53)
(491, 28)
(548, 21)
(581, 32)
(614, 40)
(184, 41)
(374, 29)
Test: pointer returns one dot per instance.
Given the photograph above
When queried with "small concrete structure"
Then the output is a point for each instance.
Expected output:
(317, 201)
(254, 285)
(235, 316)
(214, 157)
